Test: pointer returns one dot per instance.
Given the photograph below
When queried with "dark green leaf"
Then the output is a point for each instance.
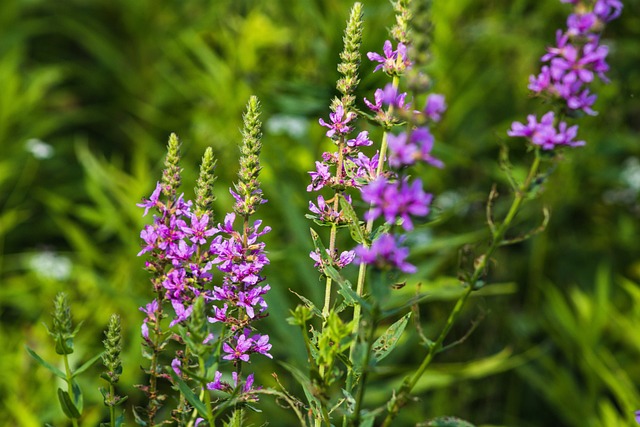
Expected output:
(77, 395)
(190, 395)
(67, 405)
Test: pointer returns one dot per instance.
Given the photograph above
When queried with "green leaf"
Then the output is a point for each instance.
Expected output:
(120, 420)
(307, 387)
(190, 395)
(64, 345)
(67, 405)
(389, 340)
(309, 304)
(354, 223)
(346, 290)
(86, 365)
(448, 422)
(57, 372)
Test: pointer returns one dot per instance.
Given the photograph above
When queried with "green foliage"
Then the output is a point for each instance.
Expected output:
(103, 83)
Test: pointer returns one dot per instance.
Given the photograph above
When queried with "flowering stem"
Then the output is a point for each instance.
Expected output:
(153, 379)
(497, 238)
(362, 270)
(334, 227)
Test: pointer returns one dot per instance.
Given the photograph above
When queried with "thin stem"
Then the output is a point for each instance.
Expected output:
(498, 237)
(153, 379)
(67, 370)
(365, 370)
(112, 408)
(334, 228)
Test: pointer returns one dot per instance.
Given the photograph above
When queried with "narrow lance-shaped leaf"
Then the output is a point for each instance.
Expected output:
(389, 340)
(57, 372)
(354, 223)
(190, 395)
(86, 365)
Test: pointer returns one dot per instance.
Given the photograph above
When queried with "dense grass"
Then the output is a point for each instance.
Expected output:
(104, 82)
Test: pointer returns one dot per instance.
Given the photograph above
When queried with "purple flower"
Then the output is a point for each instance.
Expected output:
(239, 351)
(338, 125)
(405, 153)
(544, 133)
(320, 177)
(216, 384)
(376, 106)
(396, 200)
(182, 313)
(385, 253)
(607, 10)
(391, 96)
(199, 231)
(176, 365)
(435, 106)
(153, 200)
(362, 140)
(393, 61)
(580, 24)
(261, 345)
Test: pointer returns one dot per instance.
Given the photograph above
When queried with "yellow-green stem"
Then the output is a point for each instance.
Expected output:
(497, 239)
(67, 370)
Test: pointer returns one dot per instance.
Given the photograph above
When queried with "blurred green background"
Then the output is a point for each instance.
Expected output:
(91, 89)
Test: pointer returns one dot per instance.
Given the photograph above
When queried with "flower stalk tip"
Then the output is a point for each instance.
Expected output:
(171, 175)
(247, 192)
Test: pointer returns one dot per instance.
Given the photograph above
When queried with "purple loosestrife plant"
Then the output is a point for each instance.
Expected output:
(210, 324)
(569, 69)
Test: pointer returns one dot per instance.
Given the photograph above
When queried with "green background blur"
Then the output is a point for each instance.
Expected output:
(91, 89)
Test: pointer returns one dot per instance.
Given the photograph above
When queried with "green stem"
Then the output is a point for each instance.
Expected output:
(67, 370)
(498, 237)
(365, 368)
(112, 408)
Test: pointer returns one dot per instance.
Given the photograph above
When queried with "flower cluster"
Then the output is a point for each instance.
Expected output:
(241, 258)
(184, 246)
(393, 196)
(568, 68)
(178, 254)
